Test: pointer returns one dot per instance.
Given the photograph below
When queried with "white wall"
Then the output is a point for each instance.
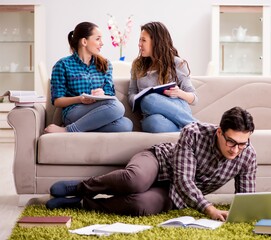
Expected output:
(189, 23)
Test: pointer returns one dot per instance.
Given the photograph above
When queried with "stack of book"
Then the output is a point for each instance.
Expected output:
(24, 98)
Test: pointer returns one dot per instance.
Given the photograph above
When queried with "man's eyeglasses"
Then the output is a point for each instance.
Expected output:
(231, 143)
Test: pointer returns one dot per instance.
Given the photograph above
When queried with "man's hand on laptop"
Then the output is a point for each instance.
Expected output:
(216, 214)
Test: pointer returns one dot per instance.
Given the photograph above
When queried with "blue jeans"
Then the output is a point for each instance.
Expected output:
(101, 116)
(164, 114)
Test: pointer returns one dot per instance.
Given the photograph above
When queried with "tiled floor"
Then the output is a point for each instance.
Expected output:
(9, 209)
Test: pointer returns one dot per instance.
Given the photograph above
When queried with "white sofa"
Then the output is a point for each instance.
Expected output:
(42, 159)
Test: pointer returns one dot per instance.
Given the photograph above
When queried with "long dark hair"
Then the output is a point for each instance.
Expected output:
(163, 54)
(84, 30)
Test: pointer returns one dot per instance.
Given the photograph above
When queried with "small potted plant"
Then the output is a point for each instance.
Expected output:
(118, 38)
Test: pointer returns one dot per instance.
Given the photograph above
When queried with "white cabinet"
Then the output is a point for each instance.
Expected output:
(241, 39)
(6, 133)
(22, 48)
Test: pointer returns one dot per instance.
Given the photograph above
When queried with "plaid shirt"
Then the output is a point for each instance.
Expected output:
(71, 77)
(195, 167)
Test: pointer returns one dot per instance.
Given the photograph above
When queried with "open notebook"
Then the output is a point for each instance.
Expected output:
(247, 207)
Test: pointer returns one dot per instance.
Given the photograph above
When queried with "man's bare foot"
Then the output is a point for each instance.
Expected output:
(52, 128)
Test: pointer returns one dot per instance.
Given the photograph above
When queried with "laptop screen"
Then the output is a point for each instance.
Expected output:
(247, 207)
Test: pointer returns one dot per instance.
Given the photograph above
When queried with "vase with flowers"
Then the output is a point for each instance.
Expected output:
(118, 38)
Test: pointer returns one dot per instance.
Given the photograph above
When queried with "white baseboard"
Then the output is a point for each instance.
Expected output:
(31, 199)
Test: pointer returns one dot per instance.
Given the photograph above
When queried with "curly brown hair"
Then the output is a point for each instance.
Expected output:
(163, 55)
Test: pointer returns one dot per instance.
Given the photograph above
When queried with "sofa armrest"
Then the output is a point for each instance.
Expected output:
(28, 125)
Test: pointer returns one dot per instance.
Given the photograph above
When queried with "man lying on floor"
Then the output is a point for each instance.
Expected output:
(173, 176)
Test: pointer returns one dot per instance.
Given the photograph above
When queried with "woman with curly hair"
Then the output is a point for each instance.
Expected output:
(159, 63)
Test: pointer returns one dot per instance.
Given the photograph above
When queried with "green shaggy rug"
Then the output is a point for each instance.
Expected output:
(82, 218)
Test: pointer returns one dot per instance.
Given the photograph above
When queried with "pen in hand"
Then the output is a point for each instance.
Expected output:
(103, 85)
(99, 90)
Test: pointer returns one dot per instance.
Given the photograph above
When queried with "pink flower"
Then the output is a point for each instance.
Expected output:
(119, 39)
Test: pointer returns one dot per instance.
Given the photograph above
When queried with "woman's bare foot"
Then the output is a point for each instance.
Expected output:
(52, 128)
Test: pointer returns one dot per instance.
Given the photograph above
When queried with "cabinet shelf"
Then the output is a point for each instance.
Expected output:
(239, 73)
(12, 42)
(239, 42)
(241, 39)
(17, 72)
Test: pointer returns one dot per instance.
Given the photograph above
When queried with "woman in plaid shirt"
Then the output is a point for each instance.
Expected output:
(86, 71)
(173, 176)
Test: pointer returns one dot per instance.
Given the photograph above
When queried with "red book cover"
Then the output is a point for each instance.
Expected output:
(45, 221)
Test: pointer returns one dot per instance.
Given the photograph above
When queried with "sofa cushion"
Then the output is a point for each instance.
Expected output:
(261, 141)
(96, 148)
(218, 94)
(117, 149)
(121, 88)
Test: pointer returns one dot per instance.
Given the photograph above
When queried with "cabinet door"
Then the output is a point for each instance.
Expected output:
(17, 48)
(240, 40)
(22, 46)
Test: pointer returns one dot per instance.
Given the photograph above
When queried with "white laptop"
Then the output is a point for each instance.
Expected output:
(247, 207)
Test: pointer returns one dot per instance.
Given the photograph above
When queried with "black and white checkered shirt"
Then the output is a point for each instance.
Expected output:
(195, 167)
